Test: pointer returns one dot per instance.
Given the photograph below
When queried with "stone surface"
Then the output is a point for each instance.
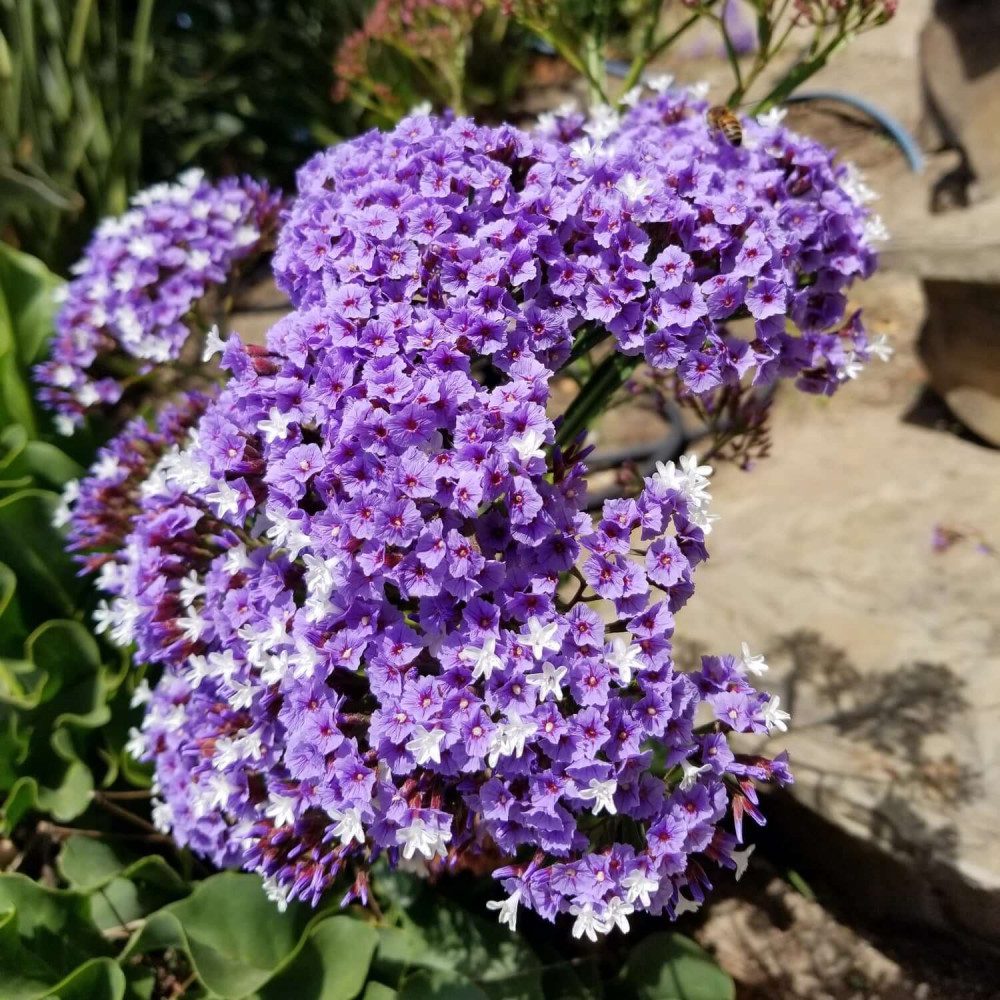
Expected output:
(960, 62)
(886, 651)
(778, 943)
(960, 347)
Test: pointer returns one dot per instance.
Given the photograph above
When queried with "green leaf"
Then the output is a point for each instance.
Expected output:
(46, 936)
(668, 966)
(28, 288)
(235, 937)
(377, 991)
(437, 935)
(34, 551)
(428, 985)
(98, 979)
(331, 965)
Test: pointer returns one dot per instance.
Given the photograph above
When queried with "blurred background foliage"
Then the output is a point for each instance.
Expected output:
(98, 99)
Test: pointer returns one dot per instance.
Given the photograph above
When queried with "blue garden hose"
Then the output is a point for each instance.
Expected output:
(891, 126)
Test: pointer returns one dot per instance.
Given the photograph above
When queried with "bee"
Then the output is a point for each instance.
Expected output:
(723, 120)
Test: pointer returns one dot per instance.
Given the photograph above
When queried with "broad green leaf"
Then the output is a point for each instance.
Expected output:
(331, 965)
(46, 936)
(428, 985)
(235, 936)
(437, 935)
(50, 466)
(121, 888)
(669, 966)
(98, 979)
(29, 292)
(377, 991)
(34, 551)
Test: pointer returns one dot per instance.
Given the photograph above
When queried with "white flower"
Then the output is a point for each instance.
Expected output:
(602, 793)
(881, 348)
(634, 188)
(631, 97)
(660, 83)
(225, 499)
(191, 589)
(529, 445)
(588, 922)
(541, 637)
(141, 694)
(618, 912)
(689, 479)
(349, 825)
(507, 908)
(64, 425)
(685, 905)
(752, 664)
(214, 344)
(775, 717)
(426, 745)
(420, 838)
(742, 859)
(699, 91)
(624, 657)
(509, 738)
(639, 885)
(851, 368)
(281, 808)
(275, 428)
(70, 495)
(276, 893)
(421, 108)
(548, 681)
(772, 118)
(484, 658)
(602, 122)
(691, 774)
(875, 230)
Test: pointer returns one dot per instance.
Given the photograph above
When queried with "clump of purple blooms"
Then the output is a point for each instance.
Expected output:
(386, 625)
(100, 508)
(134, 301)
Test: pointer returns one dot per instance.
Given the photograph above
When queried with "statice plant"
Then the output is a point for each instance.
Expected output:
(383, 622)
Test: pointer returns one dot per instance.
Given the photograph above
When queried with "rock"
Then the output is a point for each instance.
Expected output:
(778, 943)
(960, 347)
(886, 651)
(960, 63)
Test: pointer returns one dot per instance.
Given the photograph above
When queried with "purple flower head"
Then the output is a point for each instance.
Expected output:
(144, 285)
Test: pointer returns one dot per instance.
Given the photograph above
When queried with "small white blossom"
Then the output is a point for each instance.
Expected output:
(742, 859)
(588, 923)
(752, 664)
(275, 428)
(484, 658)
(541, 637)
(602, 793)
(775, 717)
(214, 344)
(660, 83)
(639, 885)
(507, 908)
(691, 773)
(349, 826)
(548, 681)
(529, 445)
(624, 657)
(426, 745)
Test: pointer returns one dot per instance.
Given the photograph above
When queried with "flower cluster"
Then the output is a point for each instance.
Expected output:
(386, 625)
(141, 288)
(99, 508)
(715, 260)
(719, 263)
